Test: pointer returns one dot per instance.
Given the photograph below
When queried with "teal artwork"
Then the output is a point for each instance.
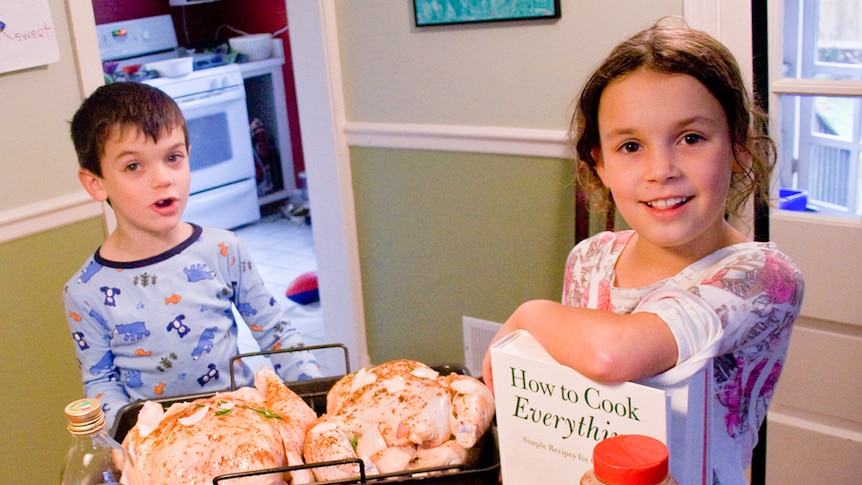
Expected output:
(443, 12)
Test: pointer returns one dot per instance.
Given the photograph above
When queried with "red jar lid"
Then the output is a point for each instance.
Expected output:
(630, 460)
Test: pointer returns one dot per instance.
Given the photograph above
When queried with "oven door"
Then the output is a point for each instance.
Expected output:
(221, 151)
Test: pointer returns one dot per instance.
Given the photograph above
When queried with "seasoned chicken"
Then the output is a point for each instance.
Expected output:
(243, 430)
(401, 415)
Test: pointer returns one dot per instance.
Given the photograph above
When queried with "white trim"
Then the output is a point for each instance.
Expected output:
(816, 218)
(807, 424)
(82, 26)
(68, 209)
(703, 15)
(729, 21)
(50, 214)
(478, 139)
(817, 87)
(320, 100)
(46, 215)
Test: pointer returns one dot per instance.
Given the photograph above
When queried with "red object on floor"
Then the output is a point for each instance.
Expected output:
(303, 289)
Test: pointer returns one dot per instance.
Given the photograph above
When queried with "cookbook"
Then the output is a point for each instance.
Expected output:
(549, 417)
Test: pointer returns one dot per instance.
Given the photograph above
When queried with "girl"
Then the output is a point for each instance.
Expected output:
(665, 128)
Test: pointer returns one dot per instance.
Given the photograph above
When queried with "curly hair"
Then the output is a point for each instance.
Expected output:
(674, 48)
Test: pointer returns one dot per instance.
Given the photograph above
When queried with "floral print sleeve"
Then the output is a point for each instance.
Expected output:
(735, 308)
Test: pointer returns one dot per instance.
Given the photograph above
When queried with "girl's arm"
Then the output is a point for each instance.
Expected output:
(602, 345)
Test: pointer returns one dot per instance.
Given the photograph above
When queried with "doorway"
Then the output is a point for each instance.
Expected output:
(314, 49)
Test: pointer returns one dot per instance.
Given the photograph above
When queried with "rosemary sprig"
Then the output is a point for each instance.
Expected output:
(266, 413)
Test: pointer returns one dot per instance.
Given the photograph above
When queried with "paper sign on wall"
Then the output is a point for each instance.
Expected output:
(27, 35)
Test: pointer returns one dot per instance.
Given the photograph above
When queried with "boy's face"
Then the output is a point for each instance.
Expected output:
(146, 181)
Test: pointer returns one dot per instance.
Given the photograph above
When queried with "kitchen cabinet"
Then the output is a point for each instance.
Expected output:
(266, 101)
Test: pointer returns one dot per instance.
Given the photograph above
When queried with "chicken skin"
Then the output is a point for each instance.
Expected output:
(244, 430)
(401, 415)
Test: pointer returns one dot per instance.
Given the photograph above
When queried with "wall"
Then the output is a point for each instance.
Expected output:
(34, 132)
(514, 74)
(39, 375)
(446, 234)
(449, 233)
(816, 405)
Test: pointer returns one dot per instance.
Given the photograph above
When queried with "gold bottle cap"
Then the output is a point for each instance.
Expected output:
(85, 416)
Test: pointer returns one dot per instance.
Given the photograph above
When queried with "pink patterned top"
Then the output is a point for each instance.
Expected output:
(735, 307)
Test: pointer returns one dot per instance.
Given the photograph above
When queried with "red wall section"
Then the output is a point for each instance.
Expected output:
(113, 11)
(268, 16)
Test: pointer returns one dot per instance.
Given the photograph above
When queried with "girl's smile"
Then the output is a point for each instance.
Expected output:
(667, 157)
(669, 203)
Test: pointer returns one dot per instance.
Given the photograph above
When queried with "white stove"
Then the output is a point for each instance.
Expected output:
(223, 187)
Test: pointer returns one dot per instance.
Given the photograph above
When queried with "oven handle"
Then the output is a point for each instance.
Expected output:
(221, 95)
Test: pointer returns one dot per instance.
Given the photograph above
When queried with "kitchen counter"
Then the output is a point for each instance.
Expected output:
(276, 60)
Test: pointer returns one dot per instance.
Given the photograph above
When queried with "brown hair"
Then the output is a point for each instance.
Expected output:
(674, 48)
(121, 105)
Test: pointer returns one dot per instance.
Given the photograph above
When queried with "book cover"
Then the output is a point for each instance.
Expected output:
(549, 417)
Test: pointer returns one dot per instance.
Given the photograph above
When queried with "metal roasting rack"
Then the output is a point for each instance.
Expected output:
(486, 457)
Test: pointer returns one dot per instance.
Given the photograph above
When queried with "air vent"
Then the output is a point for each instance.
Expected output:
(477, 336)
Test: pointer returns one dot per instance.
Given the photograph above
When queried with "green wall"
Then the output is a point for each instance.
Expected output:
(39, 374)
(445, 234)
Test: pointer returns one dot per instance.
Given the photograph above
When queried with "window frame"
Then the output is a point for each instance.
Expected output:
(834, 190)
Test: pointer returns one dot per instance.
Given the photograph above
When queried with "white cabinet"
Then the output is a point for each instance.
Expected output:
(265, 97)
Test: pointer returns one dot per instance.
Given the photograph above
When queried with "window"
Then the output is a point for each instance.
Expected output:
(820, 86)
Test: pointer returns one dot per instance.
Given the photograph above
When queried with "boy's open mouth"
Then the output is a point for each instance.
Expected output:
(670, 203)
(164, 203)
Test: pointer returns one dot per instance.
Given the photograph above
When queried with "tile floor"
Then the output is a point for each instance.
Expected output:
(283, 249)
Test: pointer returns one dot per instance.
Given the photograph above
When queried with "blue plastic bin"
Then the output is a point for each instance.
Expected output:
(792, 199)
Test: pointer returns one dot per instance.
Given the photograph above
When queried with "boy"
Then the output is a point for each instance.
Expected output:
(152, 311)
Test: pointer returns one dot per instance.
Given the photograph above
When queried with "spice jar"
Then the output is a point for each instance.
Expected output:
(629, 460)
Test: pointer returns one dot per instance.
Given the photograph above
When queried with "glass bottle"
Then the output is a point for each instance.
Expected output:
(95, 458)
(629, 460)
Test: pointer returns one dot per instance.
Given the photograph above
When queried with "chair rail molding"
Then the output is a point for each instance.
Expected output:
(460, 138)
(46, 215)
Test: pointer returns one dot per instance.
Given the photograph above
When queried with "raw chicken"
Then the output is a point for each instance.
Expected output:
(238, 431)
(401, 415)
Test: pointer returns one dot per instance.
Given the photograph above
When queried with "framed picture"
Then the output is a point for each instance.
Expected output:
(448, 12)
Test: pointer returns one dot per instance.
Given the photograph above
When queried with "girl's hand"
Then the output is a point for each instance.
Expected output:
(520, 319)
(487, 377)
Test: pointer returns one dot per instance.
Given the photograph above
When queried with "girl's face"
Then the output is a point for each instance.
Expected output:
(667, 158)
(147, 182)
